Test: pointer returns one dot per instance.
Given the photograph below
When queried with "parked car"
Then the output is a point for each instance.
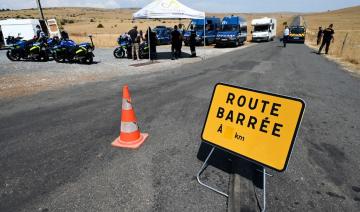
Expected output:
(297, 34)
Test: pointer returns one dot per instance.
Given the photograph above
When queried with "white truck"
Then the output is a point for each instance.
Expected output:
(26, 28)
(264, 29)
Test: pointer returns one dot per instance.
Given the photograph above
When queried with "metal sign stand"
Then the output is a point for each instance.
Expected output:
(205, 165)
(202, 169)
(264, 187)
(264, 190)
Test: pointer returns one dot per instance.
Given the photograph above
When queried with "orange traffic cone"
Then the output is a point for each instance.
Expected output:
(130, 136)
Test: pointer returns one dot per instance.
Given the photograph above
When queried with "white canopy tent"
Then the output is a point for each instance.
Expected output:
(168, 9)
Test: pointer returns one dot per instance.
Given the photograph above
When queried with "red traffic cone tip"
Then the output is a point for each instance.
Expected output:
(126, 93)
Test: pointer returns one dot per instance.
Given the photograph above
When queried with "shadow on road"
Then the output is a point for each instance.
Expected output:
(231, 164)
(167, 55)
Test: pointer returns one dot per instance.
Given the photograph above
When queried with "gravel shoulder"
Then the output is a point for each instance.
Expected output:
(26, 78)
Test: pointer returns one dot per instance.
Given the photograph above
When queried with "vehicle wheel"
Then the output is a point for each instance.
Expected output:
(45, 58)
(88, 60)
(11, 56)
(57, 58)
(237, 43)
(142, 54)
(119, 53)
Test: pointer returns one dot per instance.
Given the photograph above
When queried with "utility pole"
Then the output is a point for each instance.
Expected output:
(40, 9)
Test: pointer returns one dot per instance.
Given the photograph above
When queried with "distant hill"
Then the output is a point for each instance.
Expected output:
(348, 10)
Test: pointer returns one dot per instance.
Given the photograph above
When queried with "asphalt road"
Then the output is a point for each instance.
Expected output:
(296, 21)
(55, 148)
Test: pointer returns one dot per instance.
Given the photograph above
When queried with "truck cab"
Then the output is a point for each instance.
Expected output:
(264, 29)
(233, 31)
(211, 29)
(297, 34)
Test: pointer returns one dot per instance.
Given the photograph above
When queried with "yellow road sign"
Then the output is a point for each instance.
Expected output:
(256, 125)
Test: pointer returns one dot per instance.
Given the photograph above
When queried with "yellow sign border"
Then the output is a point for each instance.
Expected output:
(266, 93)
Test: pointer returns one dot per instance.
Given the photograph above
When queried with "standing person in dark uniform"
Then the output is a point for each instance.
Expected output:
(175, 43)
(38, 31)
(192, 41)
(153, 42)
(135, 40)
(64, 35)
(327, 38)
(319, 36)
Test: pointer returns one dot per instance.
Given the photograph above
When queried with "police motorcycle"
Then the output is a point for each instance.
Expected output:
(29, 50)
(124, 48)
(144, 50)
(69, 51)
(42, 49)
(19, 50)
(11, 40)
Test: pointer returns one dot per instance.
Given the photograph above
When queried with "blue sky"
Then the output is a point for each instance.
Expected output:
(204, 5)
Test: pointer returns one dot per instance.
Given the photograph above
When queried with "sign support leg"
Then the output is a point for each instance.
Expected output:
(202, 169)
(264, 191)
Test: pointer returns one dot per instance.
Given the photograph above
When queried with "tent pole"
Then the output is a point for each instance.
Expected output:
(149, 44)
(204, 36)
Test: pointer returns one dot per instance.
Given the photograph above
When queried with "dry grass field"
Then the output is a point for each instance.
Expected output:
(80, 22)
(346, 48)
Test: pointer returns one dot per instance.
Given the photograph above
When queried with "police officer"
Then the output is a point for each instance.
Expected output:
(135, 39)
(153, 42)
(38, 31)
(64, 35)
(319, 36)
(286, 35)
(192, 41)
(175, 43)
(328, 36)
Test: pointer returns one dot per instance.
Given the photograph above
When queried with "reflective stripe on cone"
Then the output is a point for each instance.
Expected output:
(129, 127)
(126, 105)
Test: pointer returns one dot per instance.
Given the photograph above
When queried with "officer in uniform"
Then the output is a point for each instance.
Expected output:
(192, 41)
(286, 35)
(328, 36)
(38, 31)
(135, 39)
(175, 43)
(319, 36)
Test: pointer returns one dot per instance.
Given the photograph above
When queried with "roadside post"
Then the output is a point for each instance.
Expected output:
(204, 37)
(258, 126)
